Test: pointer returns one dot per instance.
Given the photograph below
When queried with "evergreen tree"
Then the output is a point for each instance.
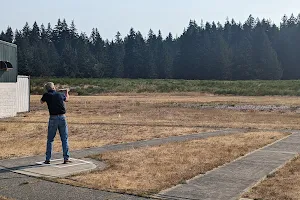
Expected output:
(8, 36)
(242, 68)
(129, 53)
(266, 64)
(2, 36)
(44, 36)
(117, 56)
(221, 59)
(140, 66)
(135, 53)
(26, 31)
(23, 63)
(188, 60)
(170, 53)
(287, 48)
(152, 69)
(35, 35)
(257, 49)
(161, 57)
(99, 50)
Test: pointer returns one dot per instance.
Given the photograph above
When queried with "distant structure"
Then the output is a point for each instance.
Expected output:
(14, 89)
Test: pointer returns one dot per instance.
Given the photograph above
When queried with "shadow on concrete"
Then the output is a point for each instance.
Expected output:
(12, 169)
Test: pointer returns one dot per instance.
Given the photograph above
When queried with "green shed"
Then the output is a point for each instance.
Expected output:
(8, 62)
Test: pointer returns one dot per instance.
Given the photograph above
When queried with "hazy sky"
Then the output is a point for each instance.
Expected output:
(110, 16)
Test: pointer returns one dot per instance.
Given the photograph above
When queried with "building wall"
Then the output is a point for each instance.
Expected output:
(23, 94)
(14, 92)
(8, 52)
(8, 94)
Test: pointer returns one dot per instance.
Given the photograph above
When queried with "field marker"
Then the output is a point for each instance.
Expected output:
(82, 162)
(64, 166)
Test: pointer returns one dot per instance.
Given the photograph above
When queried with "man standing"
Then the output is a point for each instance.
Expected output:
(57, 120)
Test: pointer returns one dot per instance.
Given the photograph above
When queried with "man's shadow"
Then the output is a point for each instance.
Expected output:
(4, 169)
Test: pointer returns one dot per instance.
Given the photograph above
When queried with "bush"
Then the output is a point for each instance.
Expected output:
(87, 86)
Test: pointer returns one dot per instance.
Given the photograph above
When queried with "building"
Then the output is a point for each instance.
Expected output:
(14, 89)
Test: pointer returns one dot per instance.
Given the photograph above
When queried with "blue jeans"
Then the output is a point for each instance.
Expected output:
(60, 123)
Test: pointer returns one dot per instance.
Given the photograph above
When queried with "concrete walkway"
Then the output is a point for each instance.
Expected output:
(230, 181)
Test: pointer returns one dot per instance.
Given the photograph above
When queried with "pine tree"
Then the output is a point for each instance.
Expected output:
(257, 49)
(129, 53)
(227, 33)
(26, 31)
(188, 61)
(249, 24)
(135, 53)
(292, 21)
(2, 36)
(287, 47)
(73, 34)
(35, 34)
(161, 57)
(60, 35)
(23, 63)
(170, 53)
(152, 69)
(266, 64)
(242, 68)
(221, 59)
(99, 50)
(49, 32)
(73, 30)
(9, 35)
(117, 56)
(140, 62)
(44, 36)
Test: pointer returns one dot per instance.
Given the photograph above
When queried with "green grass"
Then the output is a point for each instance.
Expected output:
(98, 86)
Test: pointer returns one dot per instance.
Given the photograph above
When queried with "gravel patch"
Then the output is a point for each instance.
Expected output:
(240, 107)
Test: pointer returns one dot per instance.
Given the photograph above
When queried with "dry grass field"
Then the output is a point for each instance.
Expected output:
(152, 169)
(4, 198)
(118, 118)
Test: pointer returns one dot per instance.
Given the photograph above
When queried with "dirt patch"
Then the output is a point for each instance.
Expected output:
(152, 169)
(283, 184)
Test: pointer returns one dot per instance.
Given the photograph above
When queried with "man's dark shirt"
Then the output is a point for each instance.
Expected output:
(55, 102)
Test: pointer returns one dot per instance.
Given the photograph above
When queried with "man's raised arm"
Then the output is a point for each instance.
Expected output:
(67, 95)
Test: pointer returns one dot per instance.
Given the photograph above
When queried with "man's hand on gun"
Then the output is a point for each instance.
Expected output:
(66, 92)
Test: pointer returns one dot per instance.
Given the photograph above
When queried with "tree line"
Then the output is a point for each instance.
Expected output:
(255, 49)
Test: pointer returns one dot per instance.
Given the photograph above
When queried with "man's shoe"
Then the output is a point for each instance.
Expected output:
(47, 162)
(67, 161)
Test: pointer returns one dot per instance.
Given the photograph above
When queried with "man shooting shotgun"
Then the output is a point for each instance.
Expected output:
(56, 106)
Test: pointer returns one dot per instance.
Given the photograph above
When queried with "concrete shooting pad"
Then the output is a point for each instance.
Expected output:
(56, 169)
